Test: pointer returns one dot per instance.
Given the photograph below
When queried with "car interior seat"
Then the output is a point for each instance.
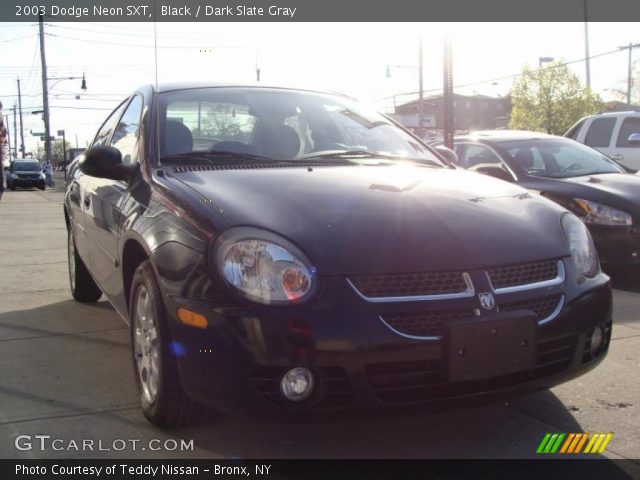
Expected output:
(177, 138)
(277, 140)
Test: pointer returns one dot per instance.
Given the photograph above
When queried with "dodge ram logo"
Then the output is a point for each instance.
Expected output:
(486, 301)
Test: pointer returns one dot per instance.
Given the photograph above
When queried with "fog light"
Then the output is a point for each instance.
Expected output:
(297, 384)
(597, 341)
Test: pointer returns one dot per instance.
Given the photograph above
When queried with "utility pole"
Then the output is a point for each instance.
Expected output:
(447, 97)
(586, 43)
(420, 91)
(20, 114)
(45, 93)
(8, 142)
(15, 131)
(630, 47)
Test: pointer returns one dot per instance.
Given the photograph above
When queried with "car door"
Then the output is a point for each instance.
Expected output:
(599, 134)
(623, 152)
(104, 199)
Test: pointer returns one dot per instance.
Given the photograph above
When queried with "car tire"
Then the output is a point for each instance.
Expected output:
(13, 187)
(164, 402)
(83, 287)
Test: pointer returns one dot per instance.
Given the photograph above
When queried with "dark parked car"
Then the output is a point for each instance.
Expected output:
(583, 180)
(25, 174)
(295, 251)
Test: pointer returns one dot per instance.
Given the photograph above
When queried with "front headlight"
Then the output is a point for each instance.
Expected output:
(264, 267)
(14, 175)
(581, 245)
(597, 214)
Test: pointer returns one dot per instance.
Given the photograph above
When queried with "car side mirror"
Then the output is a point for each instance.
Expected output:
(634, 139)
(105, 162)
(495, 172)
(448, 154)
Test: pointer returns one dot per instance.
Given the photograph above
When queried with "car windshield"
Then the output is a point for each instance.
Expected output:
(27, 167)
(558, 158)
(263, 124)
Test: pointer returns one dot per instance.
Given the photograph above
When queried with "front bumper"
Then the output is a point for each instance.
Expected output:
(237, 362)
(617, 245)
(28, 182)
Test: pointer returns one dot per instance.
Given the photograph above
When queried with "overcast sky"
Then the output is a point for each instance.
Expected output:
(348, 57)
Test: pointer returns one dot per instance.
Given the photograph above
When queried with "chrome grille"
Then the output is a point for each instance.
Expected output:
(523, 274)
(543, 307)
(410, 284)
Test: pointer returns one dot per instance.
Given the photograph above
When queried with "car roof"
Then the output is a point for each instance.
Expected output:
(498, 136)
(172, 86)
(614, 114)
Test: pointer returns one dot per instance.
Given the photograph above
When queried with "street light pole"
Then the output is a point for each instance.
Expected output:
(45, 93)
(586, 43)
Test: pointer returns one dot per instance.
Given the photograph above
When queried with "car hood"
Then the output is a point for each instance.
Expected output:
(365, 219)
(618, 190)
(621, 184)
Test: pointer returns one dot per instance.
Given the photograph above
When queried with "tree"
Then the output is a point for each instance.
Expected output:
(550, 100)
(57, 152)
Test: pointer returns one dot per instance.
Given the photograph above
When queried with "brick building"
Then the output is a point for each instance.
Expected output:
(476, 112)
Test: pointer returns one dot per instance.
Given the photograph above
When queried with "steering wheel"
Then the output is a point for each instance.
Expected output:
(571, 167)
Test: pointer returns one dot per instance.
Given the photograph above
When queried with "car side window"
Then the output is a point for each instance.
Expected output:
(630, 125)
(573, 131)
(108, 125)
(126, 134)
(475, 155)
(600, 130)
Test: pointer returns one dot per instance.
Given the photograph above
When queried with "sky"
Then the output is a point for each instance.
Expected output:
(348, 57)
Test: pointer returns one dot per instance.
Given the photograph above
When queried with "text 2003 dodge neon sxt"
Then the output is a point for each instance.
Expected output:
(294, 250)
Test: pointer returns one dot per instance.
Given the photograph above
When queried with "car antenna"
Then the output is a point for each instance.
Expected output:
(157, 89)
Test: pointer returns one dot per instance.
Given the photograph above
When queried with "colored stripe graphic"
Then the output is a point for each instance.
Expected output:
(606, 441)
(543, 443)
(567, 443)
(574, 442)
(582, 442)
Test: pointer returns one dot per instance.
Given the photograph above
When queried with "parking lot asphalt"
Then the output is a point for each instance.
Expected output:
(65, 371)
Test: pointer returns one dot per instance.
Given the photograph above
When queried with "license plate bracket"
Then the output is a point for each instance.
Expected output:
(489, 347)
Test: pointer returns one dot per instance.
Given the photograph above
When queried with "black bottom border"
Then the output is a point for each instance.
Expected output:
(538, 469)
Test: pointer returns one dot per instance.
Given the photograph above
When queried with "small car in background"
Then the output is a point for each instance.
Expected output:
(25, 173)
(586, 182)
(611, 133)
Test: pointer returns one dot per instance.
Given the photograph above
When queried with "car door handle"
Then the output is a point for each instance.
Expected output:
(87, 201)
(617, 157)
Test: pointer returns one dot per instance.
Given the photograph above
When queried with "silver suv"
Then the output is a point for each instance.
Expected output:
(609, 133)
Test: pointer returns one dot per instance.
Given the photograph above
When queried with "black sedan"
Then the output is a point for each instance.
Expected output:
(293, 251)
(583, 180)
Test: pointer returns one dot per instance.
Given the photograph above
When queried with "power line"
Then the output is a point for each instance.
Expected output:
(175, 47)
(506, 77)
(18, 38)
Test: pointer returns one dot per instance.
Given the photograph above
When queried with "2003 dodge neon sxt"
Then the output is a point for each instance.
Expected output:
(294, 250)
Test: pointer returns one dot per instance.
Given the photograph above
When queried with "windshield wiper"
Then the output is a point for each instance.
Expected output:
(369, 154)
(208, 156)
